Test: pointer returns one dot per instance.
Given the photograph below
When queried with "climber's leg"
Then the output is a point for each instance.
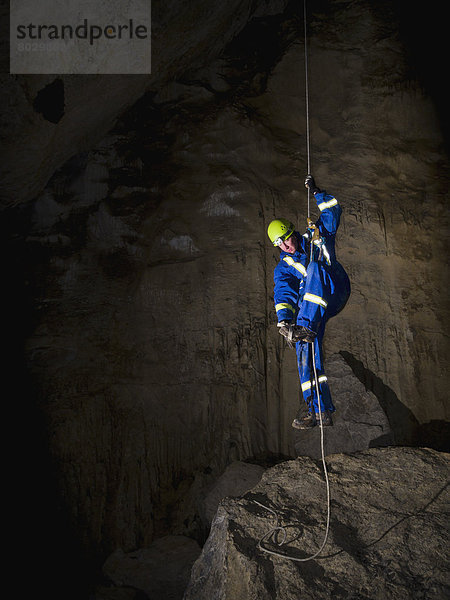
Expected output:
(306, 374)
(317, 294)
(340, 290)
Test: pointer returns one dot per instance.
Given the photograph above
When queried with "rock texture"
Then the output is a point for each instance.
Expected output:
(238, 478)
(141, 274)
(358, 423)
(184, 37)
(160, 571)
(388, 534)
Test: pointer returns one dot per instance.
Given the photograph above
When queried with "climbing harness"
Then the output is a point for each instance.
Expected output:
(315, 240)
(313, 236)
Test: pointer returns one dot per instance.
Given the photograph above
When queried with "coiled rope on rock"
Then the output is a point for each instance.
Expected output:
(272, 533)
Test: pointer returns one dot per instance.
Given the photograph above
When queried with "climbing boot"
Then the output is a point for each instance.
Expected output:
(327, 421)
(311, 420)
(307, 421)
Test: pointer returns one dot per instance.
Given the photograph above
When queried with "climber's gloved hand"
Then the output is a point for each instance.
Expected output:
(282, 324)
(311, 184)
(295, 333)
(284, 329)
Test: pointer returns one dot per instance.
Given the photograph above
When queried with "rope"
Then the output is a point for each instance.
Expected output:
(308, 151)
(279, 528)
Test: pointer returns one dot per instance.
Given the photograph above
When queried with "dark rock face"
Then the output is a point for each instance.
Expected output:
(143, 272)
(184, 37)
(159, 571)
(388, 533)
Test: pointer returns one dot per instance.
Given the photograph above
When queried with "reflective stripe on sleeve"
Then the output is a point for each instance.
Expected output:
(283, 305)
(323, 205)
(298, 266)
(316, 299)
(307, 384)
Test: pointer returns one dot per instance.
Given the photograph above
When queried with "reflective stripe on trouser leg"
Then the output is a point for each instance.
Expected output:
(306, 374)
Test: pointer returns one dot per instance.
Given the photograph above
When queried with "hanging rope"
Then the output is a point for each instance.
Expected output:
(272, 533)
(308, 150)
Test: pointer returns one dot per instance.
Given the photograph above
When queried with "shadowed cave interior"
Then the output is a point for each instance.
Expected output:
(144, 348)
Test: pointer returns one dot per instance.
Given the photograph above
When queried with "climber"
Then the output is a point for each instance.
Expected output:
(311, 286)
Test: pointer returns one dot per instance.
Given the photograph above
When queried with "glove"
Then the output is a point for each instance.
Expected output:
(283, 326)
(286, 329)
(295, 333)
(311, 184)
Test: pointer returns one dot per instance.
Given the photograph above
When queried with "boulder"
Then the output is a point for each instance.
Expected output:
(388, 534)
(238, 478)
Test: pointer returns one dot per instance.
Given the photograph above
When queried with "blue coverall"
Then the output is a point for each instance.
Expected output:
(310, 292)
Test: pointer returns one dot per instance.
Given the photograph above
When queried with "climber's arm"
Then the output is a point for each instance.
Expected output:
(285, 293)
(330, 210)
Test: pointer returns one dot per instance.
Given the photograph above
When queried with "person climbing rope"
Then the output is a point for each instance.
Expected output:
(310, 287)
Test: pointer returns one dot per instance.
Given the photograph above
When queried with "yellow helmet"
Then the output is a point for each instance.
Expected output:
(279, 230)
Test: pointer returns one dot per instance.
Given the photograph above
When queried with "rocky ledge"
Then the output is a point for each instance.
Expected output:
(388, 533)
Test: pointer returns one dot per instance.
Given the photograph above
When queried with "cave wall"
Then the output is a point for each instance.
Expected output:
(152, 347)
(184, 36)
